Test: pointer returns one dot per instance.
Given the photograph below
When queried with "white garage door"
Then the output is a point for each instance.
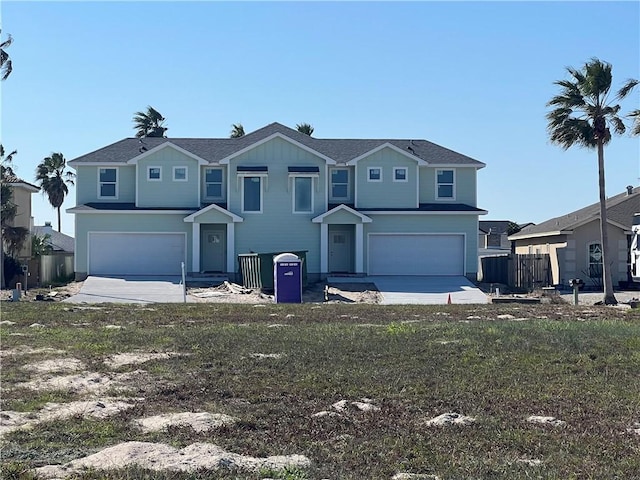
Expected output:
(136, 253)
(416, 254)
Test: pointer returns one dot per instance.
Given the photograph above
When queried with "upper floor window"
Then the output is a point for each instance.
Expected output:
(213, 183)
(252, 194)
(180, 174)
(374, 174)
(445, 185)
(595, 260)
(154, 174)
(303, 194)
(400, 174)
(107, 183)
(339, 184)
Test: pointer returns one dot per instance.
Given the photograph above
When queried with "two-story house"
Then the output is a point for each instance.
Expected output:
(376, 207)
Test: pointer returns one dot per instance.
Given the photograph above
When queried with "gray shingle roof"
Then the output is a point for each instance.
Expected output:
(215, 149)
(620, 209)
(58, 241)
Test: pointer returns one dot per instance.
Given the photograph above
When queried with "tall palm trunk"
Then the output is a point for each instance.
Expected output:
(609, 297)
(59, 220)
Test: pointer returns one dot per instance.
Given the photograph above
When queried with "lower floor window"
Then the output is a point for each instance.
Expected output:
(595, 260)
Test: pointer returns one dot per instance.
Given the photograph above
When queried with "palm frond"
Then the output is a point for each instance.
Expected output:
(635, 115)
(627, 88)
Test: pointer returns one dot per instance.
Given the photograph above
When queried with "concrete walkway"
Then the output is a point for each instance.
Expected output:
(129, 290)
(398, 290)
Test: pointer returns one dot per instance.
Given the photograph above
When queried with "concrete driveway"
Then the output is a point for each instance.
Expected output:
(422, 290)
(129, 290)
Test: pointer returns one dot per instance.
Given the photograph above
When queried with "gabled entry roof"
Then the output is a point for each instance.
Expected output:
(214, 209)
(356, 216)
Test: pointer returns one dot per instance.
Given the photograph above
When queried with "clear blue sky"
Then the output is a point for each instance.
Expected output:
(471, 76)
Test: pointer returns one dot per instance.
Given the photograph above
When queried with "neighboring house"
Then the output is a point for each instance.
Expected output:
(377, 207)
(58, 263)
(493, 236)
(574, 245)
(58, 241)
(22, 199)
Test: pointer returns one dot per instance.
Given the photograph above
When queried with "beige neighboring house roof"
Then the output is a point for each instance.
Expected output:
(620, 211)
(18, 182)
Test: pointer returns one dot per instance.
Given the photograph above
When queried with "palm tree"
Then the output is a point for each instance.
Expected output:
(237, 130)
(582, 114)
(5, 62)
(149, 123)
(12, 237)
(305, 128)
(53, 180)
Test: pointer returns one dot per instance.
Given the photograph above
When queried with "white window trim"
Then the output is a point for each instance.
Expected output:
(406, 174)
(348, 196)
(149, 179)
(293, 194)
(186, 174)
(222, 184)
(115, 197)
(261, 177)
(369, 179)
(453, 185)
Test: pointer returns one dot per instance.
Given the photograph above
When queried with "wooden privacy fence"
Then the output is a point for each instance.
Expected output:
(518, 271)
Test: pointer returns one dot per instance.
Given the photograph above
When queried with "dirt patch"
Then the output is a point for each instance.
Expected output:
(85, 382)
(199, 422)
(156, 456)
(55, 365)
(553, 421)
(451, 418)
(134, 358)
(29, 351)
(315, 293)
(100, 409)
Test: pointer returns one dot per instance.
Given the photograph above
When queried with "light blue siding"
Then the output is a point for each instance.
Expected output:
(466, 224)
(123, 222)
(277, 228)
(387, 193)
(168, 192)
(465, 185)
(87, 185)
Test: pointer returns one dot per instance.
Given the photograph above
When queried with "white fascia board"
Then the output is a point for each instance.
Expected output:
(420, 161)
(414, 212)
(456, 165)
(227, 159)
(518, 236)
(75, 165)
(162, 146)
(128, 212)
(235, 218)
(320, 218)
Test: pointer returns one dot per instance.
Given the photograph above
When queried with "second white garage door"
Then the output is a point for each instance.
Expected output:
(416, 254)
(136, 253)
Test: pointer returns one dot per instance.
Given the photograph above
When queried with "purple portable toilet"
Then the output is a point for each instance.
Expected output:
(287, 278)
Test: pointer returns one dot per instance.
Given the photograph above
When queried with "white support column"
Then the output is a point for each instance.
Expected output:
(231, 247)
(195, 249)
(324, 248)
(359, 248)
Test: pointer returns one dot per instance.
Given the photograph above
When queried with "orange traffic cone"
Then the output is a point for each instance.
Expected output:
(449, 300)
